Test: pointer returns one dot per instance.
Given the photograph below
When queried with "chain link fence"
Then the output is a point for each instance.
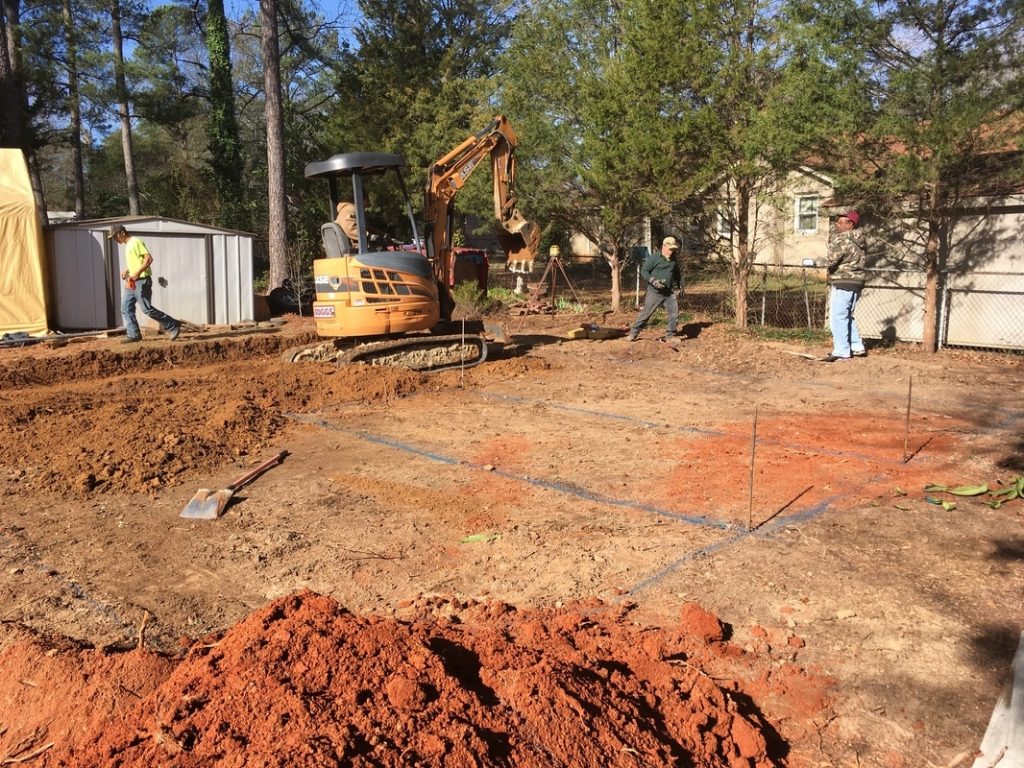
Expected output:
(979, 310)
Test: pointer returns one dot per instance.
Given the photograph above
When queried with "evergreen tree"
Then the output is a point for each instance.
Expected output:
(946, 83)
(21, 37)
(74, 100)
(763, 95)
(124, 107)
(599, 110)
(420, 82)
(68, 60)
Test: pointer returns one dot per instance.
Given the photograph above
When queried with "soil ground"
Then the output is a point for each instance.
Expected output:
(583, 504)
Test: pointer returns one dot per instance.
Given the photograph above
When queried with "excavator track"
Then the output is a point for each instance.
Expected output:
(419, 353)
(312, 353)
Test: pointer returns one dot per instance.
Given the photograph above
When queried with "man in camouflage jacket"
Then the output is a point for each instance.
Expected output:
(846, 253)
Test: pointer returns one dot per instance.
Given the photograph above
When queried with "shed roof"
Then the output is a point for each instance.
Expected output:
(148, 224)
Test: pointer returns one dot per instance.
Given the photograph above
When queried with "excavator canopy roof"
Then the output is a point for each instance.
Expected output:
(346, 164)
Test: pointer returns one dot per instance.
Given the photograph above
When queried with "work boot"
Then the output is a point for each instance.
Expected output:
(131, 340)
(633, 336)
(175, 332)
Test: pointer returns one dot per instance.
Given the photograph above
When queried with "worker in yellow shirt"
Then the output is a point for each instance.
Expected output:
(138, 279)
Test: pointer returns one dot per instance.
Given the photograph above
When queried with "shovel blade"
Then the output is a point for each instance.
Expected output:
(207, 504)
(497, 331)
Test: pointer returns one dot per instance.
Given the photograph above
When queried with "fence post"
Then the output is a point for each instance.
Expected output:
(807, 300)
(764, 292)
(943, 313)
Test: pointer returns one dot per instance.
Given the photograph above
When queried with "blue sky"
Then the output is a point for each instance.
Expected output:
(330, 8)
(346, 12)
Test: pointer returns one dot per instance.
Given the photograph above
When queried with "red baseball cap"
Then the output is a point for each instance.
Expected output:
(853, 216)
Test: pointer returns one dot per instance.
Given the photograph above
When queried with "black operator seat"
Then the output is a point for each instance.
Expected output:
(336, 242)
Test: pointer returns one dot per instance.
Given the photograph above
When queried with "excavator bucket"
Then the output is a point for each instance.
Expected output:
(519, 238)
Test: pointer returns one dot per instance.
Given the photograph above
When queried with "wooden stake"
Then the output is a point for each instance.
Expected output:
(462, 356)
(750, 495)
(906, 427)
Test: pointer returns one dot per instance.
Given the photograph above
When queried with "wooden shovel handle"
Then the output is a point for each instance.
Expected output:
(252, 474)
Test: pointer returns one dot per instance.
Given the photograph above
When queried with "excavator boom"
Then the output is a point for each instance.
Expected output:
(519, 237)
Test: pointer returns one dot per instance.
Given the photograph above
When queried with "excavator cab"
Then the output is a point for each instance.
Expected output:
(362, 288)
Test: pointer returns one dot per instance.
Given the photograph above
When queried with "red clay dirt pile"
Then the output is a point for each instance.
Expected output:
(304, 682)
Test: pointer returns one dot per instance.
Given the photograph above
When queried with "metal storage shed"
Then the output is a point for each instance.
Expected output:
(201, 274)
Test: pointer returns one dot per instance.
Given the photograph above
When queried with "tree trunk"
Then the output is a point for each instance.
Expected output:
(930, 326)
(615, 263)
(123, 112)
(74, 99)
(36, 180)
(742, 256)
(15, 102)
(277, 224)
(225, 144)
(11, 17)
(741, 274)
(10, 119)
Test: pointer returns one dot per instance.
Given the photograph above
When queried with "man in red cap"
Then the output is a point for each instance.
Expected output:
(846, 250)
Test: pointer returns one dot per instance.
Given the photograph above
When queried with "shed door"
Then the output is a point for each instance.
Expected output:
(181, 276)
(78, 271)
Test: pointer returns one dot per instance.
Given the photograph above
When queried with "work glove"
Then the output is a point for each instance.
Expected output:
(659, 284)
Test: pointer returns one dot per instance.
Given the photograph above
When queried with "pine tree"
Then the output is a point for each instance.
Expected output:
(946, 81)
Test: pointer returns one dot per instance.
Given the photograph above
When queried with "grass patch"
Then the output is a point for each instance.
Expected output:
(567, 305)
(805, 335)
(504, 296)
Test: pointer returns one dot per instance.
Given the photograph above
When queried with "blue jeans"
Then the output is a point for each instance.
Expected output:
(652, 301)
(846, 339)
(143, 296)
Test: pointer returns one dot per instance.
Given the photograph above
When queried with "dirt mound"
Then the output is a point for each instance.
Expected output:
(100, 420)
(47, 367)
(50, 696)
(304, 682)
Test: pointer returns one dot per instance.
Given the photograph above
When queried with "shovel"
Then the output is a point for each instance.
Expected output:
(209, 505)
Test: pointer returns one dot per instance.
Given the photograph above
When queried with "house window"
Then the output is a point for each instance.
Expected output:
(723, 220)
(807, 214)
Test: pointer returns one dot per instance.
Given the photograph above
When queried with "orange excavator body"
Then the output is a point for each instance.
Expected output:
(364, 289)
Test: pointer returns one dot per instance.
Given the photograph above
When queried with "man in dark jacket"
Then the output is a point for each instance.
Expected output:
(661, 273)
(846, 251)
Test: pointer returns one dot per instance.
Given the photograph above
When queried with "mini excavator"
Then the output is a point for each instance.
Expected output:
(392, 306)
